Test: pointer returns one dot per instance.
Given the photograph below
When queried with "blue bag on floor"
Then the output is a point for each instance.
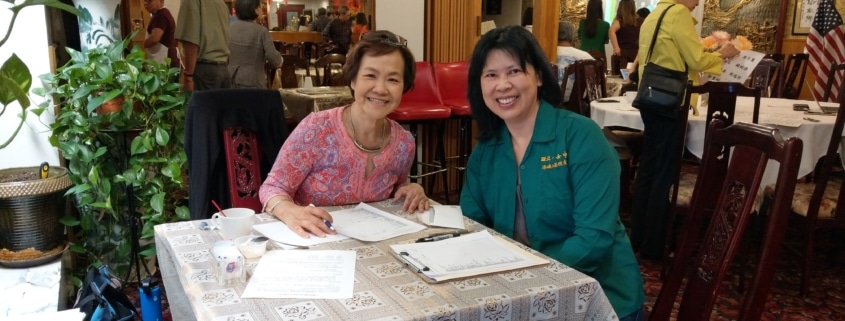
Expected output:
(100, 300)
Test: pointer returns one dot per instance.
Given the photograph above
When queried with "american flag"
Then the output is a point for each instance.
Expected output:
(826, 46)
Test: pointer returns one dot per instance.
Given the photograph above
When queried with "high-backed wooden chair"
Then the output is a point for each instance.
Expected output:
(835, 69)
(768, 74)
(795, 70)
(290, 48)
(290, 64)
(309, 49)
(721, 105)
(775, 56)
(212, 112)
(590, 84)
(818, 205)
(325, 65)
(733, 182)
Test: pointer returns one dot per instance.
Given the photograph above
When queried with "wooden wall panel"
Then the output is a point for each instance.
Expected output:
(546, 17)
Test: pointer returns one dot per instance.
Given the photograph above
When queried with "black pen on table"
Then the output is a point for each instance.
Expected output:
(439, 237)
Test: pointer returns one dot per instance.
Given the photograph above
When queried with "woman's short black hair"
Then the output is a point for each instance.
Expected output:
(245, 9)
(520, 44)
(643, 12)
(375, 44)
(361, 18)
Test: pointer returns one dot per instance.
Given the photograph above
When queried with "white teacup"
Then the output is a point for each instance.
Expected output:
(237, 222)
(630, 95)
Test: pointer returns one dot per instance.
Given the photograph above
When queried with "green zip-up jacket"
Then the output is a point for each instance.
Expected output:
(570, 191)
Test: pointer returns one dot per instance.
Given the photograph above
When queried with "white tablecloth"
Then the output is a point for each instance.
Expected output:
(384, 288)
(774, 112)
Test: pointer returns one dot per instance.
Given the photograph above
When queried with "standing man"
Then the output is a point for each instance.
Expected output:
(339, 31)
(160, 32)
(203, 30)
(321, 21)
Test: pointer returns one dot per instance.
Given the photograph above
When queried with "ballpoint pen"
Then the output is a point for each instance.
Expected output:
(433, 238)
(404, 256)
(328, 224)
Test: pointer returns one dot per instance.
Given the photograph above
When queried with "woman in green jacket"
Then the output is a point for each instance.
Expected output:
(593, 30)
(545, 177)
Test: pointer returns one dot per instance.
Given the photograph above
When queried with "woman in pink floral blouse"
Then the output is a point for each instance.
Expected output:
(349, 154)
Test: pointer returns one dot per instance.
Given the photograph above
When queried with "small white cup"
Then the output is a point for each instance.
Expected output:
(306, 83)
(630, 95)
(237, 222)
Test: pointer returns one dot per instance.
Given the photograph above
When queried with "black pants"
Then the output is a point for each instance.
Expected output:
(211, 76)
(658, 166)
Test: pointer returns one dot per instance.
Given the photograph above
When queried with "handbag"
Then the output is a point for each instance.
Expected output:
(661, 89)
(100, 300)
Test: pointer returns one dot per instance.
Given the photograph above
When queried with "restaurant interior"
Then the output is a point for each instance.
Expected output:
(801, 280)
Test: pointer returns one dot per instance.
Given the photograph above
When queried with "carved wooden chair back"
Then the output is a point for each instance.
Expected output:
(834, 78)
(325, 66)
(590, 85)
(735, 193)
(769, 75)
(721, 101)
(796, 69)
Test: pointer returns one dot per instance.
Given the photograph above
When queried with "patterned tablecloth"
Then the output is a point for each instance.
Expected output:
(383, 290)
(300, 105)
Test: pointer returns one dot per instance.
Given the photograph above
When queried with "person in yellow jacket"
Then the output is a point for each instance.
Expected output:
(677, 47)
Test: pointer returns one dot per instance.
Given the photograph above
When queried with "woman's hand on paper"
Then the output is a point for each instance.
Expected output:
(307, 220)
(415, 199)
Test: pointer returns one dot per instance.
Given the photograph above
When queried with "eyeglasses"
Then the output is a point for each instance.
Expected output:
(384, 37)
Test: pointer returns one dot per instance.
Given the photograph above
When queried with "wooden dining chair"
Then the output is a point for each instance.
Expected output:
(775, 56)
(831, 78)
(721, 105)
(308, 51)
(733, 182)
(590, 85)
(290, 64)
(769, 75)
(795, 71)
(325, 65)
(818, 205)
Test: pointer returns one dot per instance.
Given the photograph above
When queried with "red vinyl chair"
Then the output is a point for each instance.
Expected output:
(423, 106)
(452, 84)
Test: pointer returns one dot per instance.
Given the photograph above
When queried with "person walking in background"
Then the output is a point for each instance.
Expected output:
(251, 47)
(678, 47)
(593, 30)
(567, 55)
(203, 31)
(339, 31)
(321, 21)
(160, 34)
(545, 177)
(624, 35)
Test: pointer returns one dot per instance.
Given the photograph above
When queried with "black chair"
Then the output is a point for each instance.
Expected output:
(290, 64)
(210, 113)
(796, 70)
(768, 74)
(831, 78)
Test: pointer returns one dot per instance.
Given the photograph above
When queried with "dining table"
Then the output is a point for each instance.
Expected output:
(384, 287)
(299, 102)
(814, 129)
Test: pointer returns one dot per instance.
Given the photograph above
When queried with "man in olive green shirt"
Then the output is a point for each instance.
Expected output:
(203, 31)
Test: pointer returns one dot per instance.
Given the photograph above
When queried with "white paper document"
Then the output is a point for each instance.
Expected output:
(369, 224)
(443, 216)
(739, 68)
(279, 232)
(467, 255)
(303, 274)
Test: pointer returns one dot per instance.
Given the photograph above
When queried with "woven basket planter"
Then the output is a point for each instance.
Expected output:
(30, 210)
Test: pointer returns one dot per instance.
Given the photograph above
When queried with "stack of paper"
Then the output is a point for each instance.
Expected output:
(468, 255)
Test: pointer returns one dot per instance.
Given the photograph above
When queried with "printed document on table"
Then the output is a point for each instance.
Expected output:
(369, 224)
(303, 275)
(279, 232)
(739, 68)
(467, 255)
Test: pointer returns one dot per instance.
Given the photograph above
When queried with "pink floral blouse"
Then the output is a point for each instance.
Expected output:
(319, 164)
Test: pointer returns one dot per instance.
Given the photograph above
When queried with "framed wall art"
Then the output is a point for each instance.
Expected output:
(805, 11)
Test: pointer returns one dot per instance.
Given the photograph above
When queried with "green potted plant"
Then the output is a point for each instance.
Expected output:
(30, 205)
(140, 145)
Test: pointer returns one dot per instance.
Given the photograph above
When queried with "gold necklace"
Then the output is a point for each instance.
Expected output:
(355, 140)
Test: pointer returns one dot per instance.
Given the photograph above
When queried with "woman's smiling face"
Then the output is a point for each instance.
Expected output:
(508, 90)
(379, 84)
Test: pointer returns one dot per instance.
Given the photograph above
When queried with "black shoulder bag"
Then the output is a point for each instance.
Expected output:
(661, 89)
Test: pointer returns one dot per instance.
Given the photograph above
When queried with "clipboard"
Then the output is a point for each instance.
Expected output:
(430, 274)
